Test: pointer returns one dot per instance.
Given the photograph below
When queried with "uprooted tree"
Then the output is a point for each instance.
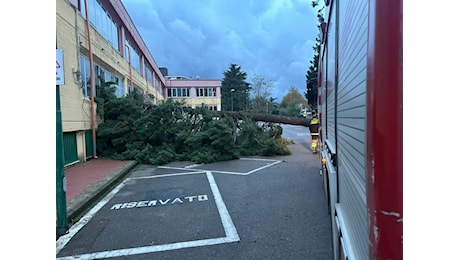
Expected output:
(134, 130)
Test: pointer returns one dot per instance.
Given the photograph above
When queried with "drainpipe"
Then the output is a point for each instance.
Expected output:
(91, 80)
(77, 39)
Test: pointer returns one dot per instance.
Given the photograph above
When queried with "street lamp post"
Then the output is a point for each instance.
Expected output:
(231, 95)
(61, 186)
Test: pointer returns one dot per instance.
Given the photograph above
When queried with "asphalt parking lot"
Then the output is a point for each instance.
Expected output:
(251, 208)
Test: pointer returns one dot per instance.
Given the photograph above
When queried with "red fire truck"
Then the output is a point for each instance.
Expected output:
(360, 101)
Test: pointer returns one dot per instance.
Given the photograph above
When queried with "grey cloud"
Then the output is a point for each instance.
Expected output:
(273, 38)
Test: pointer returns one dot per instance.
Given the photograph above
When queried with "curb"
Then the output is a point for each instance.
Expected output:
(94, 192)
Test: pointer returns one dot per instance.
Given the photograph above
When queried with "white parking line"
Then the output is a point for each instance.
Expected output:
(149, 249)
(63, 240)
(192, 165)
(230, 230)
(178, 168)
(257, 159)
(231, 234)
(164, 175)
(263, 167)
(229, 172)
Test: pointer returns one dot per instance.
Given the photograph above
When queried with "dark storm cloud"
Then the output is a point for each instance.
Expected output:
(273, 38)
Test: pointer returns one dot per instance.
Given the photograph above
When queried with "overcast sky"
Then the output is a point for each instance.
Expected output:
(272, 38)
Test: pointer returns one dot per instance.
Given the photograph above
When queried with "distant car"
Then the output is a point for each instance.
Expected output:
(306, 113)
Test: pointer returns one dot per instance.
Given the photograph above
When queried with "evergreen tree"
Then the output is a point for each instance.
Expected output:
(235, 89)
(311, 93)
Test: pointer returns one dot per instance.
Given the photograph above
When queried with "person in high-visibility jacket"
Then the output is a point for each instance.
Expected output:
(314, 124)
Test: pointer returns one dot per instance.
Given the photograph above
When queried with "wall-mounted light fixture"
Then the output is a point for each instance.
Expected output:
(76, 75)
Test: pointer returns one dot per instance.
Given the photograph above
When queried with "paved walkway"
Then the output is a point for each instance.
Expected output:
(87, 182)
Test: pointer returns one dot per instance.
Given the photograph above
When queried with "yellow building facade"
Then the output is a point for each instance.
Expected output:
(118, 55)
(106, 47)
(195, 92)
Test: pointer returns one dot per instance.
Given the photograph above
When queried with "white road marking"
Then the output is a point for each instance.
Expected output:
(230, 230)
(231, 234)
(178, 168)
(257, 159)
(164, 175)
(202, 170)
(149, 249)
(63, 240)
(303, 134)
(263, 167)
(191, 166)
(229, 172)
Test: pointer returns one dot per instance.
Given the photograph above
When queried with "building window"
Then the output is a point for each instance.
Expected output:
(101, 21)
(178, 92)
(206, 92)
(131, 53)
(85, 72)
(101, 75)
(105, 76)
(148, 73)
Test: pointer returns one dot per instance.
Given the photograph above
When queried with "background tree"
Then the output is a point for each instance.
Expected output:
(311, 93)
(312, 79)
(261, 95)
(235, 79)
(292, 103)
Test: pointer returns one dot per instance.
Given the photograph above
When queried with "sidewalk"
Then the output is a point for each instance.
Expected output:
(87, 182)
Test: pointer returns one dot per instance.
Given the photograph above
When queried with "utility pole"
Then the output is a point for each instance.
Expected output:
(61, 205)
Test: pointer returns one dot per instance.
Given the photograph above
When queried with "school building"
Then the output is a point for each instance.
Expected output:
(96, 42)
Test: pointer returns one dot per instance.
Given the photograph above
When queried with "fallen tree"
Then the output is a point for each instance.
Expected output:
(289, 120)
(133, 130)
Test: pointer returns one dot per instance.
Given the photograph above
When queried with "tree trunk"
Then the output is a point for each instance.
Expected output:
(289, 120)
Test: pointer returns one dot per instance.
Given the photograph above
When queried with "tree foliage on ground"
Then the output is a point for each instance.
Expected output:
(292, 103)
(238, 99)
(134, 130)
(311, 93)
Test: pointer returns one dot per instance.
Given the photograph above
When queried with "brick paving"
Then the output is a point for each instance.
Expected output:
(79, 176)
